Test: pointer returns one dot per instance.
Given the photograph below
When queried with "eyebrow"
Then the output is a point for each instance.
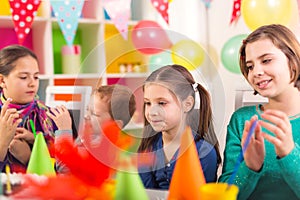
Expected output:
(27, 73)
(260, 57)
(157, 99)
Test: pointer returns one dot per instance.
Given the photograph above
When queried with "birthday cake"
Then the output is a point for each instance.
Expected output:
(13, 183)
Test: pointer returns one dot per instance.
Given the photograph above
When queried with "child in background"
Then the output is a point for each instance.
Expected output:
(109, 102)
(169, 106)
(19, 82)
(270, 61)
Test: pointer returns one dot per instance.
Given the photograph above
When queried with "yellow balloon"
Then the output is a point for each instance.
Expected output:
(257, 13)
(188, 54)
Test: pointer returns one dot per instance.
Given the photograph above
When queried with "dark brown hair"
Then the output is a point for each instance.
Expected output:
(10, 54)
(179, 80)
(283, 39)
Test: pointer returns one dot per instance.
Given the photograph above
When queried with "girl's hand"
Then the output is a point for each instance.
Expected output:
(61, 116)
(22, 133)
(9, 120)
(20, 150)
(254, 154)
(279, 124)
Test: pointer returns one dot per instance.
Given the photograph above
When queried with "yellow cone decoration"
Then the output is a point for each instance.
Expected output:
(188, 175)
(40, 161)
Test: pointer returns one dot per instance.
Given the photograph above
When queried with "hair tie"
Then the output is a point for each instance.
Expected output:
(197, 96)
(195, 86)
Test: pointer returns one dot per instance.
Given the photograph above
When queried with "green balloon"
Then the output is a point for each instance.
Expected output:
(230, 53)
(158, 60)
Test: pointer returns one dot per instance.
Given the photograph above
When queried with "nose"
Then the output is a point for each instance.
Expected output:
(155, 110)
(32, 81)
(258, 70)
(152, 110)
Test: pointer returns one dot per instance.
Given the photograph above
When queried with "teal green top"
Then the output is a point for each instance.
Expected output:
(278, 178)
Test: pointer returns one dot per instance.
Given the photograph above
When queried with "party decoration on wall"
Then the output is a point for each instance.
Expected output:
(188, 161)
(236, 11)
(23, 12)
(148, 37)
(162, 6)
(119, 13)
(40, 161)
(230, 53)
(257, 12)
(67, 13)
(158, 60)
(207, 3)
(188, 53)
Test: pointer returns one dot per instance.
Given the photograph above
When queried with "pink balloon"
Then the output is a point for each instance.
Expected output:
(149, 38)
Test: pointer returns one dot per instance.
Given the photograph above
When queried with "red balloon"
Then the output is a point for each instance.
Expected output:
(149, 37)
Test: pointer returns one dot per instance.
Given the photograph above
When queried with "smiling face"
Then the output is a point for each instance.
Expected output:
(162, 109)
(22, 83)
(269, 72)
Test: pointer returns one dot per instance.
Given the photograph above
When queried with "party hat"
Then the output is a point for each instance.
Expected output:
(188, 175)
(129, 184)
(40, 161)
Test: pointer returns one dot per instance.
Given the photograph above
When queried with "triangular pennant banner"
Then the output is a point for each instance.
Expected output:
(67, 13)
(40, 161)
(236, 11)
(188, 162)
(119, 13)
(162, 6)
(207, 3)
(23, 12)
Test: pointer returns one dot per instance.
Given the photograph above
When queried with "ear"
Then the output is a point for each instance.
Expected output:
(188, 104)
(2, 82)
(119, 123)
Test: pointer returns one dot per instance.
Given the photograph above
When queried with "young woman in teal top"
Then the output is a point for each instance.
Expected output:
(270, 61)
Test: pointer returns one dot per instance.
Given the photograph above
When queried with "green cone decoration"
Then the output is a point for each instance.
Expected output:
(40, 161)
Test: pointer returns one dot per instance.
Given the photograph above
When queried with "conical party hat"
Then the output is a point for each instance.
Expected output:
(188, 175)
(129, 184)
(40, 161)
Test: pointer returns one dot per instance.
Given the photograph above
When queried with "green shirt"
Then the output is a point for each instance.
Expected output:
(278, 178)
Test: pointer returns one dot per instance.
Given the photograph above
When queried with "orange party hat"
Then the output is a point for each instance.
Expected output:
(188, 175)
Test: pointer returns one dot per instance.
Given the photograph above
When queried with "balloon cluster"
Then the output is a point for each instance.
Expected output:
(148, 37)
(257, 13)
